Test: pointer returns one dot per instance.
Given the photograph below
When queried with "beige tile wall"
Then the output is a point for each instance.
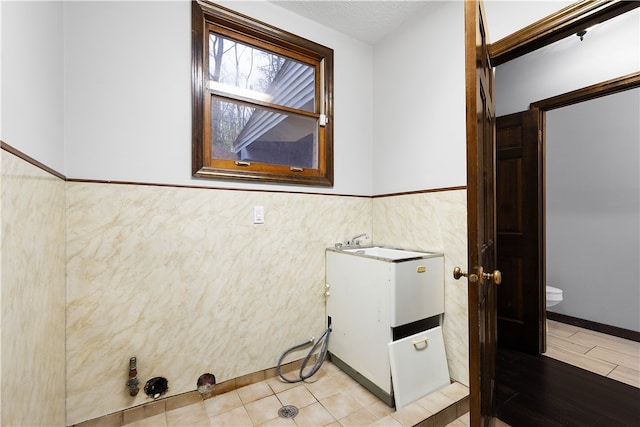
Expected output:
(182, 279)
(33, 295)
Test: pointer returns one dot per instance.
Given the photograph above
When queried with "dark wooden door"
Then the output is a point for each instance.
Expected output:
(520, 229)
(481, 217)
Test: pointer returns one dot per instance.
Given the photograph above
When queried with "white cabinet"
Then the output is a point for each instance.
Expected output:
(369, 296)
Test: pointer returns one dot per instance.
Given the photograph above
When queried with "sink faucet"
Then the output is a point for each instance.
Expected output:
(354, 240)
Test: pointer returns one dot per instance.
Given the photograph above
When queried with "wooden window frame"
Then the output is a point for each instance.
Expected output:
(205, 16)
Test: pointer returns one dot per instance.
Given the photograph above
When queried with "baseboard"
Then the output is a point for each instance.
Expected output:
(595, 326)
(166, 404)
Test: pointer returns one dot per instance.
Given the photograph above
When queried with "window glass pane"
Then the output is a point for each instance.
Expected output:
(239, 69)
(241, 131)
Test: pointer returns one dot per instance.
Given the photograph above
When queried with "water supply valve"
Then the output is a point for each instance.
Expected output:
(133, 377)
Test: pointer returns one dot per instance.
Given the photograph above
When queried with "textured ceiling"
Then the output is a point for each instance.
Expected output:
(368, 21)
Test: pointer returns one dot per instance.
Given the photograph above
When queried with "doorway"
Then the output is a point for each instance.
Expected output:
(521, 323)
(567, 22)
(594, 203)
(522, 212)
(533, 390)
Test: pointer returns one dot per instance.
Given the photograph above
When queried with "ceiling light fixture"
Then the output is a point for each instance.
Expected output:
(582, 33)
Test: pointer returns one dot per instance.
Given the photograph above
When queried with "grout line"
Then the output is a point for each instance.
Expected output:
(441, 418)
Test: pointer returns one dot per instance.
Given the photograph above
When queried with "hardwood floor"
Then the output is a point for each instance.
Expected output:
(610, 356)
(541, 391)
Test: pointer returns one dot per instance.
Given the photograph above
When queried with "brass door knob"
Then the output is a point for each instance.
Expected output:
(496, 276)
(458, 273)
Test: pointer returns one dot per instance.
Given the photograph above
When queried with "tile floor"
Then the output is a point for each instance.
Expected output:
(329, 398)
(609, 356)
(332, 398)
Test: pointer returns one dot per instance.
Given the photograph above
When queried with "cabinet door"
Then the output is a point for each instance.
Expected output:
(418, 366)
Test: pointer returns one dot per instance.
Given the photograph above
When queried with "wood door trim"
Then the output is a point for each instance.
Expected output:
(480, 129)
(569, 20)
(472, 172)
(609, 87)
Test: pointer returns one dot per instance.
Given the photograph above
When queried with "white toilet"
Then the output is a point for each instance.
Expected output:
(554, 296)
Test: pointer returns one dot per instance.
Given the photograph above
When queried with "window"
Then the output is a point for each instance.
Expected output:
(262, 101)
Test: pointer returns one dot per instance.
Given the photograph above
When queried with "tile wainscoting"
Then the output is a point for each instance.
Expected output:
(182, 279)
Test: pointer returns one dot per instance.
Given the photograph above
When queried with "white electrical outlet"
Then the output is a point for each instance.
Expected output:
(258, 214)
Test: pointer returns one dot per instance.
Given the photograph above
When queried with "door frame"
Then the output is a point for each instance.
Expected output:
(566, 21)
(608, 87)
(536, 134)
(481, 219)
(598, 90)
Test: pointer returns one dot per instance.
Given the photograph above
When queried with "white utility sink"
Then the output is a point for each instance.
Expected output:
(387, 253)
(376, 293)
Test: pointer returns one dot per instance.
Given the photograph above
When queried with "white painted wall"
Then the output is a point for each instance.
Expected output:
(610, 50)
(593, 209)
(32, 80)
(128, 94)
(419, 103)
(147, 138)
(1, 26)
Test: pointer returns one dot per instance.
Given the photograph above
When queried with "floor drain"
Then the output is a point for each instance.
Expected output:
(288, 411)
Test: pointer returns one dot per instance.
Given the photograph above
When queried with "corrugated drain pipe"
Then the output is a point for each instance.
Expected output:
(323, 342)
